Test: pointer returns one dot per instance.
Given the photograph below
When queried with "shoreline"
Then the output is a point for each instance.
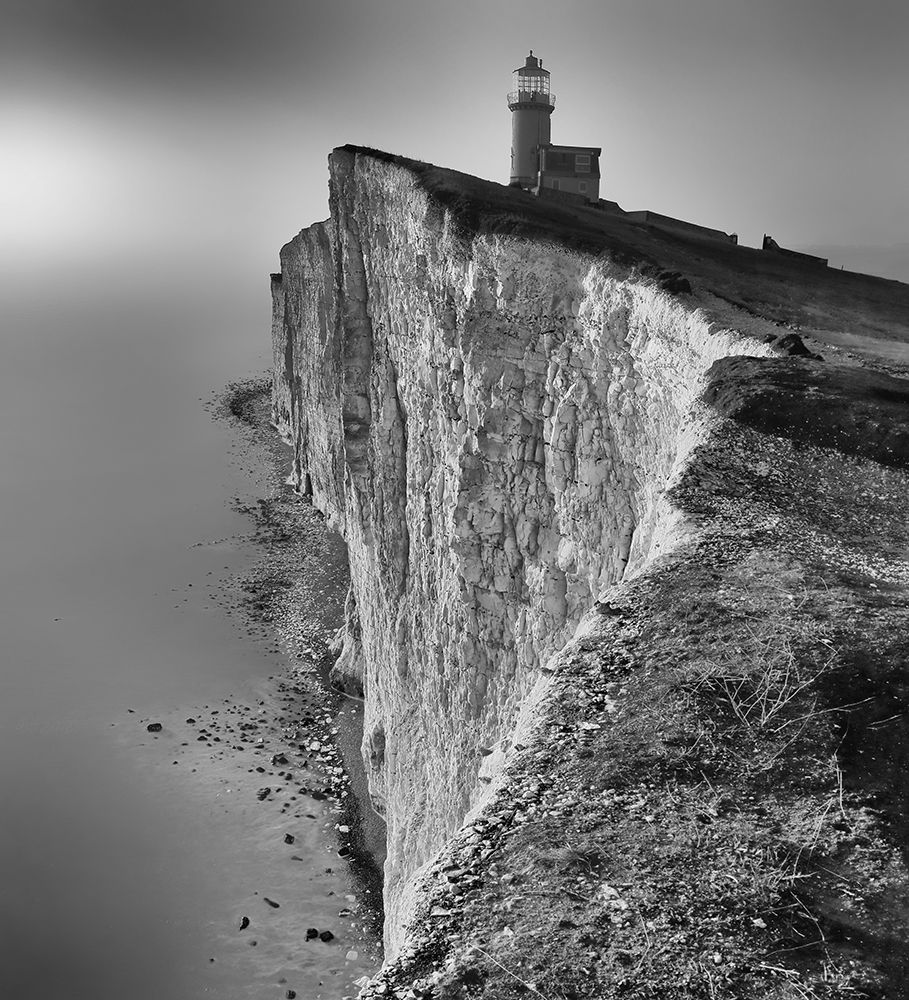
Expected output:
(277, 763)
(276, 593)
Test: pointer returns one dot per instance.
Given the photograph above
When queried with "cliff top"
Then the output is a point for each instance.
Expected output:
(855, 312)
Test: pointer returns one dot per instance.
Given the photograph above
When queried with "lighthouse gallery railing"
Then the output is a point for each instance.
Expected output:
(531, 97)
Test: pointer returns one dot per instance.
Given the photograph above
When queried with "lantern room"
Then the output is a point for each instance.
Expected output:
(530, 84)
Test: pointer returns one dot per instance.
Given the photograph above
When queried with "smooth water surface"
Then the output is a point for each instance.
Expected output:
(111, 473)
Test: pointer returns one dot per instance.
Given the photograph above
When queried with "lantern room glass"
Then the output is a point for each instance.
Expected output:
(527, 81)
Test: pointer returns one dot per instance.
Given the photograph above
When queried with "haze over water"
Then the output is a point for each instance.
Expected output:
(115, 882)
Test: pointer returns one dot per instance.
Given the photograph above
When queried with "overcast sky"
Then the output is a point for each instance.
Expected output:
(177, 129)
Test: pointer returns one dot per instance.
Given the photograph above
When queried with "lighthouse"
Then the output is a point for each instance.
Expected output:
(531, 104)
(565, 173)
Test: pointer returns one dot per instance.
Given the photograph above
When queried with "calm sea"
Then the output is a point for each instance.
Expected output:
(118, 879)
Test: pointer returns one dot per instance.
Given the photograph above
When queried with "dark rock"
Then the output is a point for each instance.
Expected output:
(290, 994)
(344, 676)
(326, 936)
(672, 281)
(244, 923)
(280, 759)
(154, 727)
(793, 345)
(190, 722)
(289, 838)
(271, 903)
(263, 793)
(311, 933)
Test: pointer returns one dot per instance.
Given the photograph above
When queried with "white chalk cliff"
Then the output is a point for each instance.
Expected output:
(491, 419)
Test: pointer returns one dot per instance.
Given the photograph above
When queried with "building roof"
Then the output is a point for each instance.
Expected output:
(560, 148)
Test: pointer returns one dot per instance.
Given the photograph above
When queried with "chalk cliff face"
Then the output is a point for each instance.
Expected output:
(628, 576)
(491, 423)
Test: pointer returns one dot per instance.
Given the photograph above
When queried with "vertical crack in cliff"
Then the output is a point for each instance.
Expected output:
(356, 350)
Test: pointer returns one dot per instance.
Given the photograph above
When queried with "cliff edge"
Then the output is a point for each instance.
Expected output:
(628, 590)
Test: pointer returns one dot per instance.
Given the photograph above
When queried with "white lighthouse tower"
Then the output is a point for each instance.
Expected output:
(531, 104)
